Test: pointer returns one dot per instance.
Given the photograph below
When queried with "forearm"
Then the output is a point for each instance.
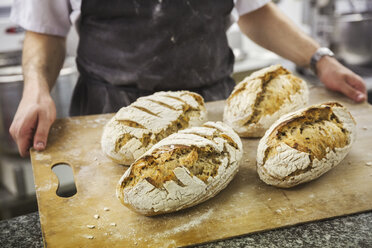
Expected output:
(42, 59)
(271, 29)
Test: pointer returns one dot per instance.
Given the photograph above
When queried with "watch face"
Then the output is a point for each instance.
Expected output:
(325, 51)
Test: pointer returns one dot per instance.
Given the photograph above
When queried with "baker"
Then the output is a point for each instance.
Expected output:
(132, 48)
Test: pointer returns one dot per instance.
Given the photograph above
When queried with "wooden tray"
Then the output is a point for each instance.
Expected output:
(246, 205)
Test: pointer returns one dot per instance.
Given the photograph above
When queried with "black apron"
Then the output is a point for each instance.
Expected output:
(133, 48)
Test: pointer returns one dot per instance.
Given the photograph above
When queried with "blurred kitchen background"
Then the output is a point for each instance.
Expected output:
(343, 25)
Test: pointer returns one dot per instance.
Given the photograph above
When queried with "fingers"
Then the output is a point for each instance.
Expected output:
(31, 128)
(22, 132)
(352, 92)
(356, 82)
(24, 144)
(41, 135)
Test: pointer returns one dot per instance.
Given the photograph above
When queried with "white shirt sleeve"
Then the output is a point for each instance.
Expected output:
(43, 16)
(246, 6)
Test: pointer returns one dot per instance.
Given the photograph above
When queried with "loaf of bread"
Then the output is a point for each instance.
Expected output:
(182, 170)
(305, 144)
(260, 99)
(136, 128)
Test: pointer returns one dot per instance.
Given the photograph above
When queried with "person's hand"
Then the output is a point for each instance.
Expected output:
(32, 121)
(339, 78)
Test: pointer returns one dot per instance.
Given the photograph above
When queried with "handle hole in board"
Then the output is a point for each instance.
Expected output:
(66, 183)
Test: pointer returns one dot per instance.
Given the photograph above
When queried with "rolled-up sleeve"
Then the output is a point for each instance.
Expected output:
(43, 16)
(246, 6)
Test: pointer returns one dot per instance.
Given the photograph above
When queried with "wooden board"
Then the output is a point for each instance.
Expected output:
(246, 205)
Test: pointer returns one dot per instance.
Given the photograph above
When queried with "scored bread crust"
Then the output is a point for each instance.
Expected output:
(284, 93)
(137, 127)
(288, 166)
(185, 189)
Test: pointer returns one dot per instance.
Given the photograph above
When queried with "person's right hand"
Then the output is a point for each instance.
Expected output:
(30, 127)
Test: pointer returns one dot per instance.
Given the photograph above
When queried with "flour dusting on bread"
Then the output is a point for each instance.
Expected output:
(136, 128)
(182, 170)
(261, 98)
(305, 144)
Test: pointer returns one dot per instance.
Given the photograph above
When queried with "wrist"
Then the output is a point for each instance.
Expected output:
(325, 63)
(35, 86)
(36, 92)
(320, 54)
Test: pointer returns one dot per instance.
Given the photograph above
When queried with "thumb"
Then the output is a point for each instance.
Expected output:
(41, 134)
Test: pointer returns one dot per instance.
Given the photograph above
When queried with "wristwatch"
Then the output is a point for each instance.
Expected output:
(320, 52)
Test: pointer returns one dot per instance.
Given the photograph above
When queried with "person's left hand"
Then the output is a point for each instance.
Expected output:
(337, 77)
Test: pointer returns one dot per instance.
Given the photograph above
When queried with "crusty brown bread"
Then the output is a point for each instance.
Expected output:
(305, 144)
(260, 99)
(182, 170)
(136, 128)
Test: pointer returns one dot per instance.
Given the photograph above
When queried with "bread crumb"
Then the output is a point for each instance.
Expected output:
(106, 209)
(89, 237)
(112, 224)
(280, 210)
(247, 160)
(365, 128)
(369, 163)
(96, 216)
(91, 226)
(105, 234)
(269, 199)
